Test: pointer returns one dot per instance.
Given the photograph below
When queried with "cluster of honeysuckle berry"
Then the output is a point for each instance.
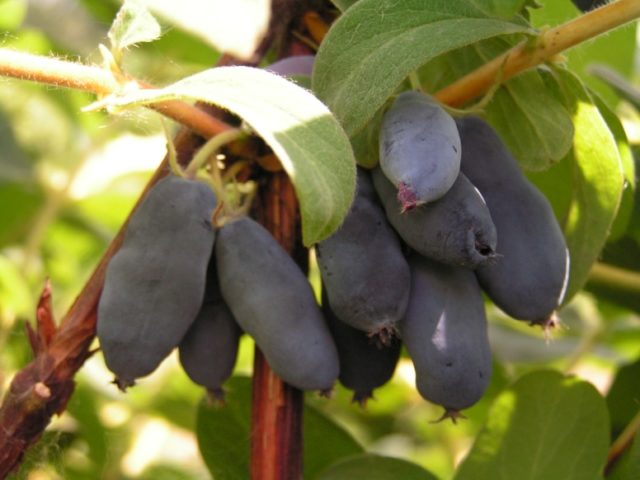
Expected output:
(446, 215)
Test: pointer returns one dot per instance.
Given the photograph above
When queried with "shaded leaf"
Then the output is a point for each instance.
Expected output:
(612, 78)
(26, 201)
(223, 432)
(528, 115)
(133, 24)
(628, 467)
(376, 44)
(536, 127)
(224, 435)
(623, 398)
(375, 467)
(324, 442)
(544, 426)
(310, 144)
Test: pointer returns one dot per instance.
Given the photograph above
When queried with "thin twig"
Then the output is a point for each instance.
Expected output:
(62, 73)
(550, 43)
(616, 277)
(623, 442)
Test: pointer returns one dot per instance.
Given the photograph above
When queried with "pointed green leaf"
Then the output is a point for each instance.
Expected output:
(376, 44)
(133, 24)
(224, 434)
(324, 442)
(534, 125)
(544, 426)
(628, 467)
(375, 467)
(598, 181)
(307, 139)
(530, 119)
(623, 396)
(616, 81)
(223, 431)
(501, 8)
(343, 4)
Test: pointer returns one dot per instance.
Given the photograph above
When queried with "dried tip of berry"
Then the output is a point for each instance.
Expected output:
(450, 413)
(326, 393)
(548, 325)
(361, 398)
(406, 197)
(485, 250)
(383, 336)
(123, 384)
(215, 397)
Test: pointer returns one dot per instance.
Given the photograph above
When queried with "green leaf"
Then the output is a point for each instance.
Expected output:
(622, 87)
(231, 27)
(12, 13)
(598, 181)
(324, 442)
(307, 139)
(617, 48)
(375, 467)
(501, 8)
(625, 211)
(343, 4)
(535, 126)
(223, 432)
(623, 397)
(26, 200)
(376, 44)
(133, 24)
(628, 467)
(544, 426)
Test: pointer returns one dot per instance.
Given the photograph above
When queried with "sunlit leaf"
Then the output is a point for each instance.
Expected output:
(133, 24)
(232, 27)
(544, 426)
(12, 13)
(627, 202)
(598, 181)
(307, 139)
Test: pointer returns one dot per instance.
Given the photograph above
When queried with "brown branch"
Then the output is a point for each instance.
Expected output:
(549, 44)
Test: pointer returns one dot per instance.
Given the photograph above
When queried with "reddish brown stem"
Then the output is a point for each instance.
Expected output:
(276, 442)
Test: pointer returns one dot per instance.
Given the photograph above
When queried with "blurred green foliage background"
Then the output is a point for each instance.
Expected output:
(68, 180)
